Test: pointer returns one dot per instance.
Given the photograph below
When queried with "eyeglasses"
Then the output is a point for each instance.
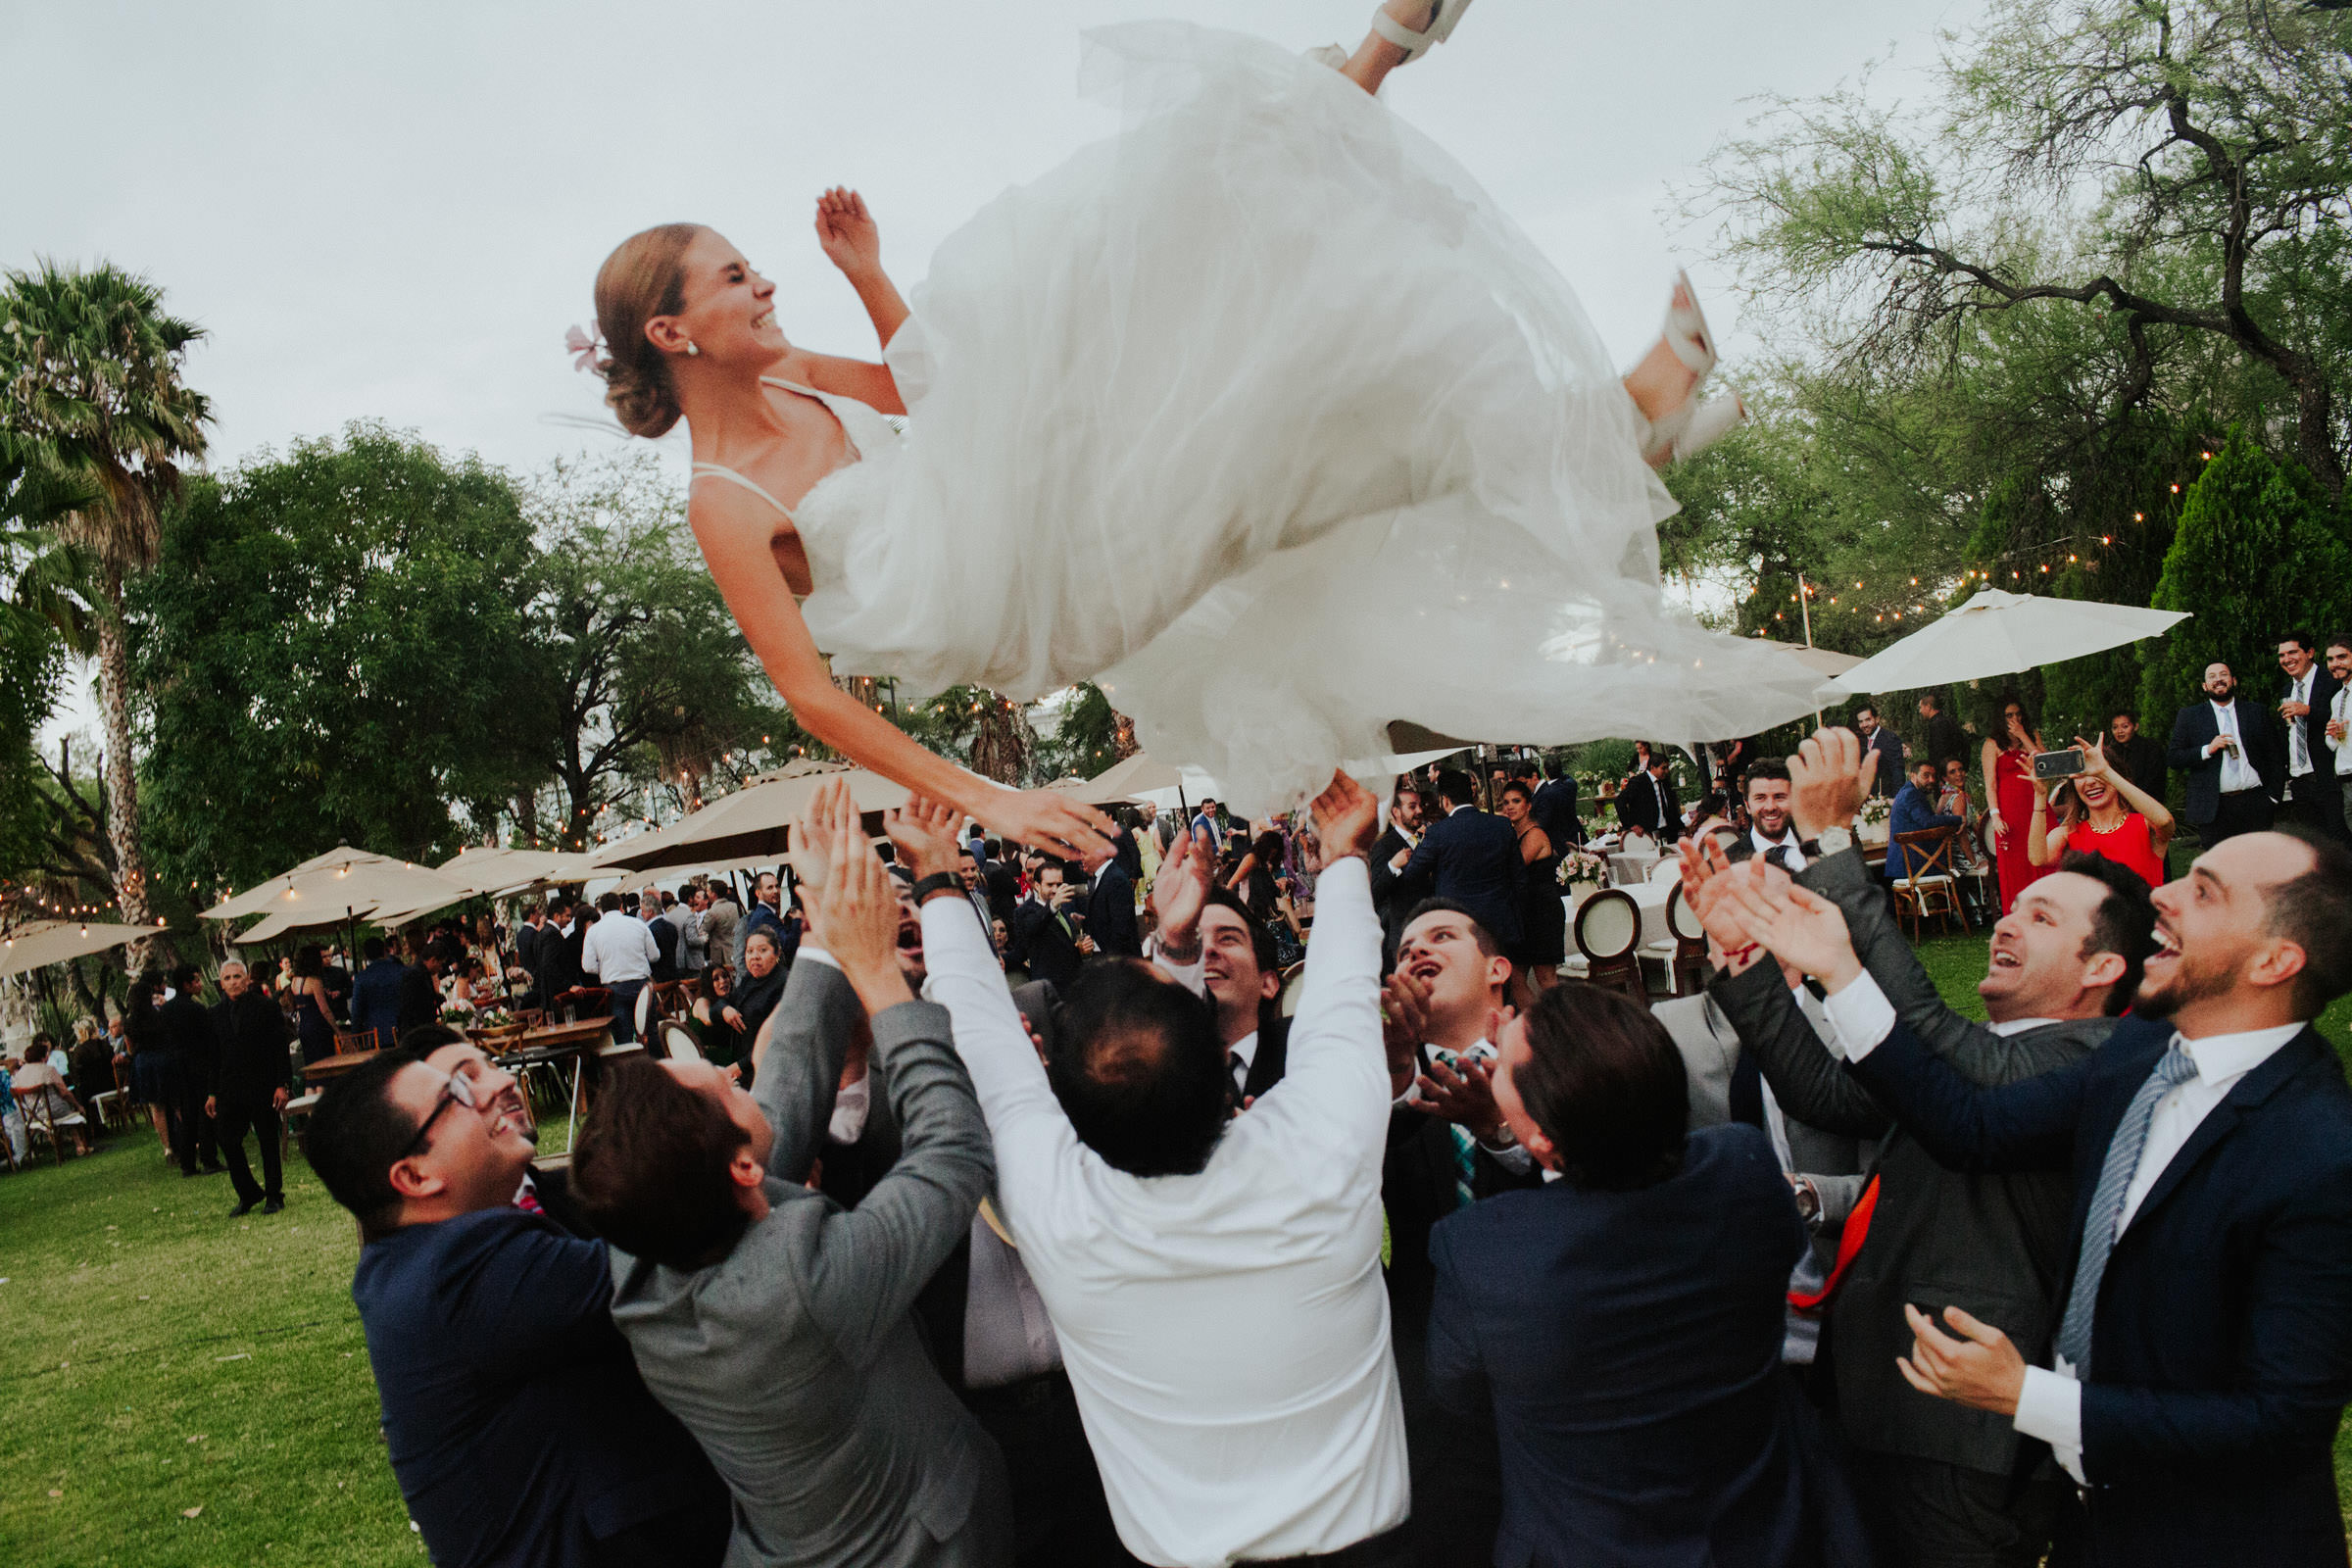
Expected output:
(457, 1090)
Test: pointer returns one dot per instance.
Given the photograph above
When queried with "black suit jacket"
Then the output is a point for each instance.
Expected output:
(1110, 915)
(1555, 806)
(1041, 945)
(1472, 858)
(2194, 729)
(188, 1034)
(420, 997)
(526, 949)
(2220, 1355)
(1394, 893)
(249, 1041)
(2142, 760)
(1648, 804)
(1946, 740)
(2314, 726)
(666, 949)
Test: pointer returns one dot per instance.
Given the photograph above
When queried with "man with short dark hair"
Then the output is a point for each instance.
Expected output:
(1239, 973)
(375, 993)
(187, 1039)
(519, 1429)
(1471, 857)
(420, 982)
(1555, 806)
(1108, 924)
(2202, 1358)
(1885, 750)
(1045, 943)
(1394, 895)
(1914, 811)
(1148, 1214)
(2313, 799)
(1937, 1483)
(1769, 832)
(1945, 740)
(2232, 753)
(2336, 730)
(767, 911)
(252, 1078)
(619, 955)
(773, 1323)
(1647, 805)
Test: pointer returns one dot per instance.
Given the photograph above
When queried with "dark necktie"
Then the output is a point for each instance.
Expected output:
(1778, 855)
(1240, 1073)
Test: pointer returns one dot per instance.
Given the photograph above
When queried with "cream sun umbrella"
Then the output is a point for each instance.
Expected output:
(46, 941)
(2001, 633)
(751, 824)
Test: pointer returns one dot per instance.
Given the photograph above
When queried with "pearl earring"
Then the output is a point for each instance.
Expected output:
(692, 351)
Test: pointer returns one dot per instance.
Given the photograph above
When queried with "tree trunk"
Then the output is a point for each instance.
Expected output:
(121, 780)
(1002, 742)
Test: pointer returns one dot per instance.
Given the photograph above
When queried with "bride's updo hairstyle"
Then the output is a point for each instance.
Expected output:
(645, 276)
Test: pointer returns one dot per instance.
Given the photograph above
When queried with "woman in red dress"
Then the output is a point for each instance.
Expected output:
(2105, 814)
(2009, 796)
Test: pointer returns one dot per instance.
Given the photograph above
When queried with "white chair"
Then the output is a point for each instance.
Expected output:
(645, 1011)
(678, 1043)
(1668, 869)
(1608, 929)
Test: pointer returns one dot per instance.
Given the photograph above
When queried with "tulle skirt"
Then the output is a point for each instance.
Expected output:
(1264, 415)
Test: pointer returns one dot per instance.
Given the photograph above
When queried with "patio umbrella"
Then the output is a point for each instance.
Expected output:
(1125, 781)
(751, 824)
(337, 863)
(46, 941)
(2001, 633)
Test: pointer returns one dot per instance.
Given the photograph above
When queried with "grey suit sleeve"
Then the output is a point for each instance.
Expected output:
(872, 1260)
(801, 1050)
(1839, 1195)
(1805, 1078)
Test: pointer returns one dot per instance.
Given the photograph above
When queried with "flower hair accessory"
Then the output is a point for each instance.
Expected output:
(582, 344)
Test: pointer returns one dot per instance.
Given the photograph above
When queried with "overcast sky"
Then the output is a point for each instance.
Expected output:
(392, 212)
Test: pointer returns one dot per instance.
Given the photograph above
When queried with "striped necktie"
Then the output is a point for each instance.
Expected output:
(2106, 1213)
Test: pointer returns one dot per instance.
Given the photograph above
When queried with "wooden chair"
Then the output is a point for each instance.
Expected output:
(40, 1122)
(351, 1042)
(1691, 963)
(1608, 938)
(676, 1042)
(1931, 889)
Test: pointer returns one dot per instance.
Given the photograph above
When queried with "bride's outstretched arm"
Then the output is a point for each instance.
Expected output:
(851, 241)
(745, 571)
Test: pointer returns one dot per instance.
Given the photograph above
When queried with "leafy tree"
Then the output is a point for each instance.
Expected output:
(329, 652)
(90, 383)
(2255, 553)
(636, 673)
(1087, 739)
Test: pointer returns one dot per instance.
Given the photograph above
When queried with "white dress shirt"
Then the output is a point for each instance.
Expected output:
(618, 950)
(2050, 1404)
(1244, 1047)
(1226, 1332)
(2238, 768)
(2338, 710)
(1786, 841)
(2298, 742)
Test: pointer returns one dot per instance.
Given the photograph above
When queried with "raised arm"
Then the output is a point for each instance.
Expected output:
(2159, 819)
(1337, 1069)
(846, 232)
(735, 546)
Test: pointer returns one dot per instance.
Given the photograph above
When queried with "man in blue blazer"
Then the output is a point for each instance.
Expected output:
(2203, 1358)
(520, 1430)
(1472, 858)
(2234, 759)
(1914, 811)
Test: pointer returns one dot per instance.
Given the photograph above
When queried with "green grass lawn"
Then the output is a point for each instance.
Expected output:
(184, 1389)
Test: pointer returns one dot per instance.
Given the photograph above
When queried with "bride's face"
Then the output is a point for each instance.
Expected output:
(730, 313)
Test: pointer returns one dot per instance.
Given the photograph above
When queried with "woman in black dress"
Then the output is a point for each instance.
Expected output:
(1543, 917)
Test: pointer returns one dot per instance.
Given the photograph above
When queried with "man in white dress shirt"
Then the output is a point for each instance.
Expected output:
(2203, 1357)
(1771, 830)
(1214, 1281)
(2337, 730)
(619, 955)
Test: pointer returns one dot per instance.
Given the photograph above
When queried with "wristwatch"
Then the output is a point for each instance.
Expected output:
(1808, 1200)
(1833, 841)
(938, 882)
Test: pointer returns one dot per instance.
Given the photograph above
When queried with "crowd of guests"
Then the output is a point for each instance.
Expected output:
(1037, 1227)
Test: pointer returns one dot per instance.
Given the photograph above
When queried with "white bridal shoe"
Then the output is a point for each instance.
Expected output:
(1693, 427)
(1448, 16)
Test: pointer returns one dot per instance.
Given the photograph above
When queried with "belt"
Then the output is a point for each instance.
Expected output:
(1378, 1548)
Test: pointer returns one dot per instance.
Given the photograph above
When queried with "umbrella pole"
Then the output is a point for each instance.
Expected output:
(1804, 609)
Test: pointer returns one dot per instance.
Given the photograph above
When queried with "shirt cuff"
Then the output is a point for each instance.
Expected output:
(1862, 1016)
(1187, 975)
(819, 955)
(849, 1106)
(2050, 1407)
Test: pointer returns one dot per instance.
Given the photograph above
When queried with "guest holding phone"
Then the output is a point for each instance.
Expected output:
(2010, 794)
(2104, 814)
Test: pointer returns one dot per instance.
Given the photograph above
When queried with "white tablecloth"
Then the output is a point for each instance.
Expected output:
(1648, 897)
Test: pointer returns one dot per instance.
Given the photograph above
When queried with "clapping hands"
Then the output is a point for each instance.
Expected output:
(856, 912)
(1180, 892)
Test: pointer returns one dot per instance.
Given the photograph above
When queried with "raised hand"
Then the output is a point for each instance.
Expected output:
(1347, 818)
(1403, 1026)
(1465, 1096)
(845, 230)
(1050, 820)
(1828, 779)
(1180, 892)
(1795, 925)
(855, 914)
(809, 846)
(2094, 758)
(925, 831)
(1708, 874)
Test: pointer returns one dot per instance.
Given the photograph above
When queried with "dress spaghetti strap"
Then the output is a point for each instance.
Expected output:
(732, 477)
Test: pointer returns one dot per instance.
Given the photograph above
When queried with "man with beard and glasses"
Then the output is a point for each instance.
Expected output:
(1938, 1484)
(2203, 1355)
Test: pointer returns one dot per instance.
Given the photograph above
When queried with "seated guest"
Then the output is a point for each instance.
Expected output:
(54, 1100)
(1212, 1279)
(520, 1430)
(775, 1324)
(1914, 811)
(375, 993)
(2203, 1357)
(2105, 814)
(1624, 1322)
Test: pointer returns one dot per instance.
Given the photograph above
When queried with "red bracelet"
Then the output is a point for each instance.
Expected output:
(1741, 955)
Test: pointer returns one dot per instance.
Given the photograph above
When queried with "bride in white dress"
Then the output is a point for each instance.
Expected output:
(1261, 413)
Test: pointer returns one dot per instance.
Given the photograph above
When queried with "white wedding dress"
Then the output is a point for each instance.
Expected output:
(1261, 415)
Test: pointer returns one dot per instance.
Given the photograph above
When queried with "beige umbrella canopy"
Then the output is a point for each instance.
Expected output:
(263, 897)
(751, 824)
(2001, 633)
(1124, 782)
(354, 883)
(489, 871)
(46, 941)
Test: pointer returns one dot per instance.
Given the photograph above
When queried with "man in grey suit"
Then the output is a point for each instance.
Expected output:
(1942, 1484)
(773, 1323)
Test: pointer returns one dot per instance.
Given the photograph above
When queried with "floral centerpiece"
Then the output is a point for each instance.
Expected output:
(1582, 865)
(456, 1014)
(1876, 810)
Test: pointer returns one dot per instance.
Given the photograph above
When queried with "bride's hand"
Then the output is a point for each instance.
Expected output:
(1046, 820)
(846, 232)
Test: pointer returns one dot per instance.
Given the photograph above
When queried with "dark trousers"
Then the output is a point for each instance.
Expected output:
(2315, 800)
(1060, 1515)
(624, 1009)
(1391, 1549)
(1923, 1513)
(194, 1136)
(235, 1117)
(2247, 811)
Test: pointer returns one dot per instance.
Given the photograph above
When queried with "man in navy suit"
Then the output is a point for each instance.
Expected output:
(2203, 1357)
(1109, 921)
(520, 1430)
(1043, 941)
(2313, 799)
(1885, 753)
(1471, 858)
(2234, 756)
(1914, 811)
(1555, 808)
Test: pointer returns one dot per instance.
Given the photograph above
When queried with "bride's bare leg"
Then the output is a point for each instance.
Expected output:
(1661, 383)
(1376, 56)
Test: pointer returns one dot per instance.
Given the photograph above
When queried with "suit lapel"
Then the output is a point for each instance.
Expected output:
(2250, 1091)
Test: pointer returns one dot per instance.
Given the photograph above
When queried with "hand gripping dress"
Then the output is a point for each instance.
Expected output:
(1261, 415)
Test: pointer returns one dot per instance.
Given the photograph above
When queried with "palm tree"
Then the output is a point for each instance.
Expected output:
(91, 399)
